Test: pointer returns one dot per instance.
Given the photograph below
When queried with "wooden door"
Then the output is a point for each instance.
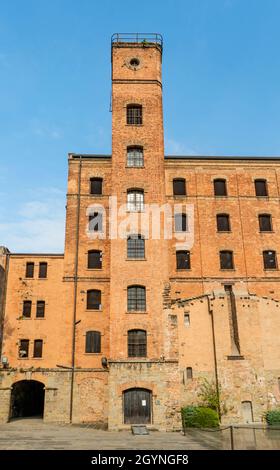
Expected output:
(137, 406)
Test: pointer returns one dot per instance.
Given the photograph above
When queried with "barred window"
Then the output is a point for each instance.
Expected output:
(134, 114)
(269, 259)
(223, 224)
(137, 343)
(135, 157)
(96, 222)
(180, 223)
(265, 223)
(136, 299)
(94, 259)
(43, 269)
(135, 247)
(179, 187)
(220, 187)
(29, 270)
(261, 187)
(23, 348)
(93, 342)
(94, 299)
(183, 260)
(226, 259)
(26, 312)
(38, 348)
(40, 310)
(135, 200)
(96, 185)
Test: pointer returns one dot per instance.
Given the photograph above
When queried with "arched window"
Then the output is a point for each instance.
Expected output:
(93, 342)
(220, 187)
(135, 200)
(94, 259)
(135, 247)
(183, 260)
(96, 185)
(135, 157)
(226, 259)
(261, 187)
(94, 299)
(179, 187)
(136, 299)
(134, 114)
(269, 259)
(180, 222)
(137, 343)
(265, 223)
(223, 224)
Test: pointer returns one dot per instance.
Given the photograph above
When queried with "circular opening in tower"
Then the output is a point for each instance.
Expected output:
(134, 62)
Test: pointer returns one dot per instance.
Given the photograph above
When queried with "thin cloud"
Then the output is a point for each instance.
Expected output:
(174, 147)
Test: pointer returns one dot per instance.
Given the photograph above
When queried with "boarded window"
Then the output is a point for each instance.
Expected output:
(136, 298)
(189, 373)
(93, 342)
(23, 348)
(40, 309)
(134, 114)
(179, 187)
(223, 224)
(135, 247)
(29, 270)
(186, 319)
(135, 157)
(220, 187)
(180, 222)
(96, 185)
(137, 343)
(261, 187)
(26, 312)
(226, 260)
(94, 259)
(265, 223)
(95, 222)
(183, 259)
(38, 348)
(135, 200)
(43, 269)
(269, 259)
(93, 299)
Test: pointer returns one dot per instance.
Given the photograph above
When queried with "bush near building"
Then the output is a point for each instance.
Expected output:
(199, 417)
(272, 417)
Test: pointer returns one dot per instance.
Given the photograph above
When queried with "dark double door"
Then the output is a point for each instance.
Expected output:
(137, 406)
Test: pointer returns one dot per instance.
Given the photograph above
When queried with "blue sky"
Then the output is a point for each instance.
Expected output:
(221, 71)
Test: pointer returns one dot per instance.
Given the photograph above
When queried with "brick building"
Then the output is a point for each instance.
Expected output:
(122, 329)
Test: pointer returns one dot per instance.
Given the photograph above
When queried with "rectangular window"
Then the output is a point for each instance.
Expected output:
(186, 319)
(93, 342)
(179, 187)
(23, 348)
(136, 247)
(137, 343)
(135, 157)
(29, 270)
(38, 348)
(95, 259)
(95, 222)
(261, 188)
(226, 260)
(40, 309)
(223, 223)
(134, 114)
(96, 186)
(136, 299)
(26, 312)
(189, 373)
(94, 299)
(269, 259)
(43, 268)
(183, 260)
(220, 188)
(265, 223)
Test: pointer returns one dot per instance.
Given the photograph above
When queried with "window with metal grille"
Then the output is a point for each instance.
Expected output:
(93, 342)
(135, 157)
(135, 247)
(96, 222)
(223, 224)
(183, 259)
(43, 269)
(226, 259)
(269, 259)
(261, 187)
(94, 259)
(93, 299)
(180, 222)
(23, 348)
(265, 223)
(134, 114)
(189, 373)
(137, 343)
(40, 309)
(220, 187)
(26, 312)
(135, 200)
(179, 187)
(29, 270)
(136, 298)
(38, 348)
(96, 185)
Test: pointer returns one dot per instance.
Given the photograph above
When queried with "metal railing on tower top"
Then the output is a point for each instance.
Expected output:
(137, 38)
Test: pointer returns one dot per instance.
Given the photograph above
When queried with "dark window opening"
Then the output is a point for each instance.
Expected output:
(134, 114)
(269, 259)
(265, 223)
(40, 310)
(189, 373)
(136, 299)
(93, 342)
(220, 187)
(43, 269)
(96, 222)
(180, 222)
(223, 224)
(134, 62)
(38, 348)
(137, 343)
(26, 312)
(226, 260)
(94, 259)
(261, 187)
(29, 270)
(23, 348)
(183, 260)
(135, 200)
(96, 185)
(94, 299)
(179, 187)
(135, 157)
(135, 247)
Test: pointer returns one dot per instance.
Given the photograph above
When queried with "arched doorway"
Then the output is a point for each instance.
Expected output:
(137, 406)
(27, 399)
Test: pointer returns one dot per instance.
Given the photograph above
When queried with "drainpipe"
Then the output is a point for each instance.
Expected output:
(3, 306)
(75, 294)
(215, 356)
